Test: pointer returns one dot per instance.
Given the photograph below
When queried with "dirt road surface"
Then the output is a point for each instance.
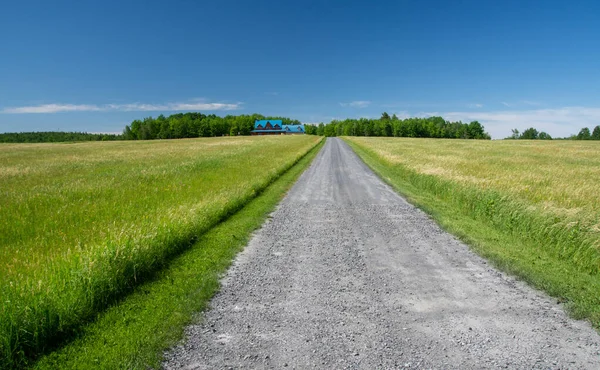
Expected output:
(347, 274)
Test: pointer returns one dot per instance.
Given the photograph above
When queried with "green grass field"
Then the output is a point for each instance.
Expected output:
(134, 333)
(532, 207)
(84, 224)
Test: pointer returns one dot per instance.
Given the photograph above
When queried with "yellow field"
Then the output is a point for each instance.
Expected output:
(542, 191)
(559, 178)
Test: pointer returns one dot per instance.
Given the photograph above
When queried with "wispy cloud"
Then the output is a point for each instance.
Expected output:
(53, 108)
(559, 122)
(412, 104)
(357, 104)
(137, 107)
(522, 103)
(532, 103)
(476, 105)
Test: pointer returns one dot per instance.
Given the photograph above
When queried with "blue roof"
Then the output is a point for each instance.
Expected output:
(263, 122)
(294, 128)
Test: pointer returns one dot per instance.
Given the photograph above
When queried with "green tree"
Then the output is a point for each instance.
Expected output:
(321, 129)
(165, 130)
(530, 134)
(584, 134)
(596, 133)
(136, 125)
(475, 130)
(387, 128)
(128, 134)
(310, 129)
(515, 134)
(329, 130)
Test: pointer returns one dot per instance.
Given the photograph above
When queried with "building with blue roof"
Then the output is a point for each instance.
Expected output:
(276, 127)
(293, 129)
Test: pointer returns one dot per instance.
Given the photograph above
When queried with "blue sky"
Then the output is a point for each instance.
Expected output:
(97, 65)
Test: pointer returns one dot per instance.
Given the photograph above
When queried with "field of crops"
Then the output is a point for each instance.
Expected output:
(82, 224)
(542, 195)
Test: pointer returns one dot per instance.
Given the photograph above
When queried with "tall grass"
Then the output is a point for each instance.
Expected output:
(546, 192)
(135, 332)
(82, 224)
(529, 207)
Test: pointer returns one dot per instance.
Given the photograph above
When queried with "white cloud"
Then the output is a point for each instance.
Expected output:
(529, 102)
(137, 107)
(475, 105)
(52, 108)
(558, 122)
(411, 104)
(357, 104)
(522, 103)
(403, 114)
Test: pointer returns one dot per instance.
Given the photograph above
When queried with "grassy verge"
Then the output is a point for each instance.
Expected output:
(542, 248)
(84, 224)
(134, 333)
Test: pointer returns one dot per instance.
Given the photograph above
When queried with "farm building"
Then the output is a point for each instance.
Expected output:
(276, 127)
(293, 129)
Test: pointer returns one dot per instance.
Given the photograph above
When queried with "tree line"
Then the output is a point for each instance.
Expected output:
(585, 134)
(54, 137)
(533, 134)
(431, 127)
(188, 125)
(175, 126)
(195, 124)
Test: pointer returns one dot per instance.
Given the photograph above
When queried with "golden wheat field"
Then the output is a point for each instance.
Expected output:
(552, 177)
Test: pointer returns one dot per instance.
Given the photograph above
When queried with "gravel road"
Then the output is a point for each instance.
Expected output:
(347, 274)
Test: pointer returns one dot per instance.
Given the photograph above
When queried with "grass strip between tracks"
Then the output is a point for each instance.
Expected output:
(134, 333)
(515, 251)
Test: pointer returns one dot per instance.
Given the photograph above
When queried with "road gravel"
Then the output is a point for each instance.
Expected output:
(347, 274)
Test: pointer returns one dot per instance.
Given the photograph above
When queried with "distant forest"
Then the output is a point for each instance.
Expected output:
(54, 137)
(185, 125)
(434, 127)
(533, 134)
(190, 125)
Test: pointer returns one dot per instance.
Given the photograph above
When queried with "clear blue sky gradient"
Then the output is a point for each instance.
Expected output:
(97, 65)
